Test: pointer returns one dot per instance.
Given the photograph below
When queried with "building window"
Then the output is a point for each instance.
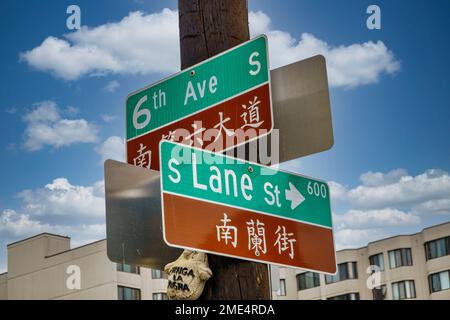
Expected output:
(377, 260)
(129, 268)
(345, 271)
(379, 293)
(307, 280)
(125, 293)
(160, 296)
(437, 248)
(439, 281)
(348, 296)
(282, 290)
(403, 290)
(158, 274)
(400, 258)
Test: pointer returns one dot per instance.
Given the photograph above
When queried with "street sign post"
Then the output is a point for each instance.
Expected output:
(228, 94)
(222, 205)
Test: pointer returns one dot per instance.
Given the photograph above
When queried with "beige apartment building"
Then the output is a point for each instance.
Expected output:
(413, 266)
(410, 267)
(45, 267)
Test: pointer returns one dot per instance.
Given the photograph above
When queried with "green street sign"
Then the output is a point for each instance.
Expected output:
(223, 205)
(199, 174)
(197, 88)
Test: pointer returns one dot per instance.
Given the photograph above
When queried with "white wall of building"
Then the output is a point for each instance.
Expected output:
(419, 272)
(3, 286)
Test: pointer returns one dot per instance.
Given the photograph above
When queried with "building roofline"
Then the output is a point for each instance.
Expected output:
(37, 235)
(396, 236)
(2, 274)
(76, 248)
(436, 225)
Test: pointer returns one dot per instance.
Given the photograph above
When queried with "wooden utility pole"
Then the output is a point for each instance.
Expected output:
(208, 27)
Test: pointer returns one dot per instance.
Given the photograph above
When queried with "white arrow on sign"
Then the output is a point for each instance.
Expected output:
(293, 195)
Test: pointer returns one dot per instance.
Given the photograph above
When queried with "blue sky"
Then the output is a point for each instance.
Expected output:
(62, 107)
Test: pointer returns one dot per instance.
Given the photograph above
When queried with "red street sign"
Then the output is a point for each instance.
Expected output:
(211, 227)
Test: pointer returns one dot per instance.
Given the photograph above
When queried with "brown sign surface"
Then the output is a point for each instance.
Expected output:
(218, 128)
(229, 231)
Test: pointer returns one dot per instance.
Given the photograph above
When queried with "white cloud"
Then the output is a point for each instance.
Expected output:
(112, 86)
(433, 207)
(19, 225)
(72, 111)
(259, 23)
(338, 192)
(12, 110)
(112, 148)
(376, 179)
(62, 199)
(46, 127)
(354, 238)
(388, 202)
(348, 66)
(357, 228)
(45, 111)
(407, 191)
(383, 218)
(148, 43)
(69, 62)
(107, 118)
(138, 44)
(428, 192)
(60, 208)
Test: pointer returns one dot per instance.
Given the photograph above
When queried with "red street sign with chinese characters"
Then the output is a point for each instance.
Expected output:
(244, 234)
(219, 104)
